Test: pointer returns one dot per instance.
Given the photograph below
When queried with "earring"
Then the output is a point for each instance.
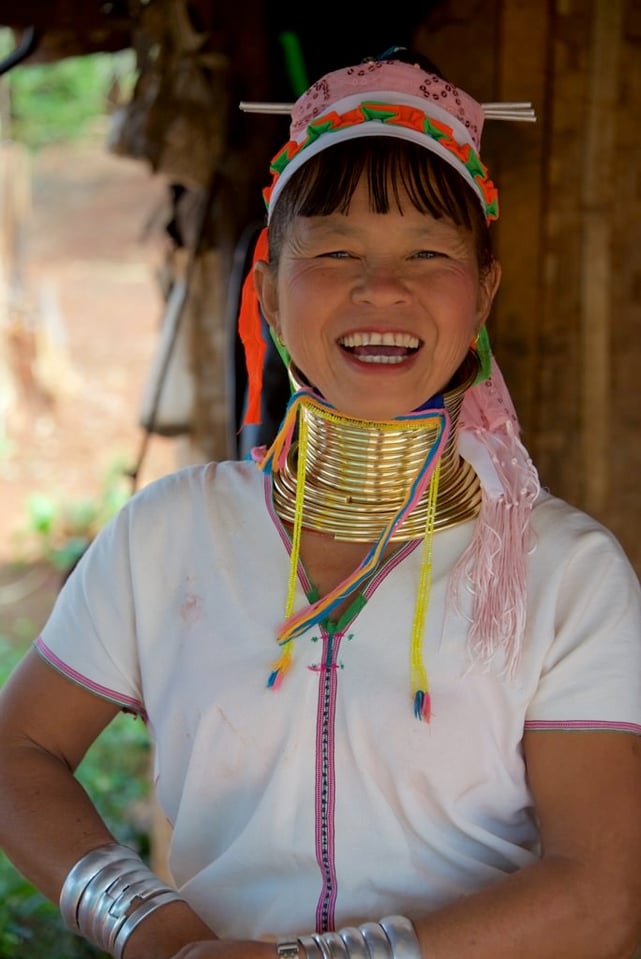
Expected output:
(283, 352)
(482, 348)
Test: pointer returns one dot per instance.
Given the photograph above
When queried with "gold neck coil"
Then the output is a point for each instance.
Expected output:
(358, 472)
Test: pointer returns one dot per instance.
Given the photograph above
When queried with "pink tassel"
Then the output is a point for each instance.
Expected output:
(494, 566)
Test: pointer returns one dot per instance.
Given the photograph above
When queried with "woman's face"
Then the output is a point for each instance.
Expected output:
(377, 310)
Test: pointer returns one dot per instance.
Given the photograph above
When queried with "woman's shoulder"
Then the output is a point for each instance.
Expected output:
(552, 514)
(220, 478)
(196, 504)
(196, 497)
(563, 532)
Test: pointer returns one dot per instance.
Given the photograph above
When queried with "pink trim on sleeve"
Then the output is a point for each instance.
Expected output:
(127, 702)
(583, 724)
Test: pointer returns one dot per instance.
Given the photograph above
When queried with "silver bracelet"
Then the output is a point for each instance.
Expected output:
(288, 948)
(149, 892)
(98, 910)
(137, 917)
(310, 947)
(108, 893)
(331, 945)
(378, 944)
(354, 942)
(80, 875)
(402, 936)
(394, 937)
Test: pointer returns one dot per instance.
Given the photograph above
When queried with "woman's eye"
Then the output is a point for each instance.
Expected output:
(427, 254)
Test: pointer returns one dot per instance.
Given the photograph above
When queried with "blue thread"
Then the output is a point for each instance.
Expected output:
(419, 699)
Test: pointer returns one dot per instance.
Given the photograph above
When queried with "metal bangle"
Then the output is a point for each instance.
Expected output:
(83, 872)
(288, 948)
(136, 917)
(402, 937)
(394, 937)
(324, 949)
(143, 886)
(378, 944)
(162, 895)
(121, 891)
(331, 945)
(108, 892)
(95, 906)
(337, 945)
(354, 942)
(310, 947)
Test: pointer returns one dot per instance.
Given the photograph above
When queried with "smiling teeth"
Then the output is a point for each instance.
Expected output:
(405, 340)
(381, 358)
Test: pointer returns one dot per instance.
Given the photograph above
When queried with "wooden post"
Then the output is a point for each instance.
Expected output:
(517, 151)
(597, 176)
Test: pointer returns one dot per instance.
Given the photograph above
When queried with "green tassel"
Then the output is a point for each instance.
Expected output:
(484, 351)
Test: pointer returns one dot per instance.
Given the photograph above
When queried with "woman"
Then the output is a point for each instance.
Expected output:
(394, 687)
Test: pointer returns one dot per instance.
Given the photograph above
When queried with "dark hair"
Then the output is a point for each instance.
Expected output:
(326, 182)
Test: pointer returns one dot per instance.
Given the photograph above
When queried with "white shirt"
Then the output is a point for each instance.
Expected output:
(326, 802)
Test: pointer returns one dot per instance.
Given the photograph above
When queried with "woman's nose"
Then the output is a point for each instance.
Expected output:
(380, 284)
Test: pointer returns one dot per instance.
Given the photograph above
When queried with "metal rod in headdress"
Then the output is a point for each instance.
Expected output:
(522, 111)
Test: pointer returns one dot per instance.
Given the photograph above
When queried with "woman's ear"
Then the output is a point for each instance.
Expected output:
(489, 283)
(266, 286)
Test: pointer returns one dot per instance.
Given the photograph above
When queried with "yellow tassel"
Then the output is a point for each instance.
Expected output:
(420, 684)
(283, 663)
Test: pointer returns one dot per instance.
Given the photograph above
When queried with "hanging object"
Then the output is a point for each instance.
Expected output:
(168, 396)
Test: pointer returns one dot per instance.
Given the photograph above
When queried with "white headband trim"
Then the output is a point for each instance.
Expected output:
(369, 129)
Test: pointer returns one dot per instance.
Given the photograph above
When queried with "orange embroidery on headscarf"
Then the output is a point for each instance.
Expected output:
(395, 115)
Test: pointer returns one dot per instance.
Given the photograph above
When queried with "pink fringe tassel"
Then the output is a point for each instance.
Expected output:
(494, 566)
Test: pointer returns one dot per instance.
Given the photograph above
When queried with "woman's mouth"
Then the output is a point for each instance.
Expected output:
(380, 347)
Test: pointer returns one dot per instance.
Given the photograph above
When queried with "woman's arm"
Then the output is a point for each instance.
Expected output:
(583, 899)
(47, 821)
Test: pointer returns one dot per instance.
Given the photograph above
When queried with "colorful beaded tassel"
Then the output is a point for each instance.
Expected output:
(427, 478)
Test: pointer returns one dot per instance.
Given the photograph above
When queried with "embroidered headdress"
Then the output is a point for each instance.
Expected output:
(387, 98)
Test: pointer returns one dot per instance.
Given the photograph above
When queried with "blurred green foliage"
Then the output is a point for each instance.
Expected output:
(59, 530)
(44, 104)
(56, 102)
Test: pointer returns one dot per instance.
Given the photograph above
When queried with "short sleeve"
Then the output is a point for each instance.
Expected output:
(90, 634)
(591, 672)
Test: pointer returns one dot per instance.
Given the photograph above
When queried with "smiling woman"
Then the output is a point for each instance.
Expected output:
(394, 686)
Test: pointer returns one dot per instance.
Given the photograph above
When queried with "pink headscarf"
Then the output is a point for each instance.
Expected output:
(387, 98)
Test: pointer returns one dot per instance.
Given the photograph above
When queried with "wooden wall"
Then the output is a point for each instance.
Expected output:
(567, 323)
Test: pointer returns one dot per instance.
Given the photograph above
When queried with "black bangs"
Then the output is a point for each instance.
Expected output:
(325, 183)
(393, 168)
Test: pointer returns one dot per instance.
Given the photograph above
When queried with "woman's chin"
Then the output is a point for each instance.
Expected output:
(377, 411)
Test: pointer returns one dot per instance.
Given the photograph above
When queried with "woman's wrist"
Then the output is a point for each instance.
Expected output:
(108, 896)
(166, 933)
